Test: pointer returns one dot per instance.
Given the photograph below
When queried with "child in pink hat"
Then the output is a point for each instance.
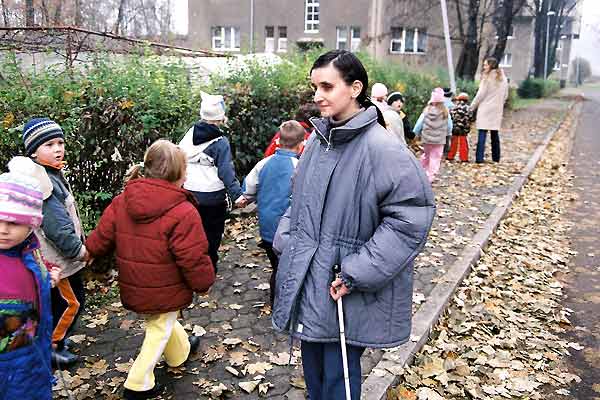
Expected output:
(433, 126)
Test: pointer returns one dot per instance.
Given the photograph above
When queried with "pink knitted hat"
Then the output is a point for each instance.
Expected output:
(379, 90)
(20, 200)
(437, 96)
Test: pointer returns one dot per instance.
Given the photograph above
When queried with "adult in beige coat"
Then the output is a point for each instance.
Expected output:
(489, 103)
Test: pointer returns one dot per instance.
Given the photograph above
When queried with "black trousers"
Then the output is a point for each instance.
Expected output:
(213, 221)
(68, 300)
(274, 260)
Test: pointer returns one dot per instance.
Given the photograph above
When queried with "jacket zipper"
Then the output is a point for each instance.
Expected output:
(324, 138)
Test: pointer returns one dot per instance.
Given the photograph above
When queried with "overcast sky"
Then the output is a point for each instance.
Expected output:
(180, 16)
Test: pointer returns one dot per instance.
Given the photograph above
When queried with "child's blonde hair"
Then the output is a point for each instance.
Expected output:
(292, 134)
(163, 160)
(440, 106)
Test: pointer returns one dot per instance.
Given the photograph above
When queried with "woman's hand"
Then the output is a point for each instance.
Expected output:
(338, 289)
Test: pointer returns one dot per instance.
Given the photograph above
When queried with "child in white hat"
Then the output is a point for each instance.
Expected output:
(210, 173)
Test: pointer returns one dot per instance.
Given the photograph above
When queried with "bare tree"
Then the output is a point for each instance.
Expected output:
(58, 13)
(29, 13)
(120, 15)
(4, 13)
(506, 10)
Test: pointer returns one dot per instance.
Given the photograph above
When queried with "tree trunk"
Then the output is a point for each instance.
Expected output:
(78, 18)
(58, 13)
(29, 13)
(117, 27)
(469, 57)
(4, 13)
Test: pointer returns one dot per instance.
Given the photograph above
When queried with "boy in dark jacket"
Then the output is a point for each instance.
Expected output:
(61, 235)
(25, 315)
(461, 118)
(211, 175)
(270, 185)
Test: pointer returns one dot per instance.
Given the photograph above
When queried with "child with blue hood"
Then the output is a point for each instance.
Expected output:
(210, 173)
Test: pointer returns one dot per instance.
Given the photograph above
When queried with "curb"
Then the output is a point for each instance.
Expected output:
(380, 378)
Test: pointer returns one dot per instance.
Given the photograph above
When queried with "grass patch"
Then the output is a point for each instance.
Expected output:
(520, 103)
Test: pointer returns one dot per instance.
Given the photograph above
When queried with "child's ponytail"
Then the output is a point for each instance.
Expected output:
(135, 172)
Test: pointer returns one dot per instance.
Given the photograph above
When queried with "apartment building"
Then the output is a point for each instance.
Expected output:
(408, 32)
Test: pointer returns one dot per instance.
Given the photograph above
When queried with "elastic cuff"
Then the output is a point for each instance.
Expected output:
(82, 252)
(348, 282)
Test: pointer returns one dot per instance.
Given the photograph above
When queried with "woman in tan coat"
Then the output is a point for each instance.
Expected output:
(489, 103)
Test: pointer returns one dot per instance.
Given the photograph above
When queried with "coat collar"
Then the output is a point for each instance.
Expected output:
(345, 133)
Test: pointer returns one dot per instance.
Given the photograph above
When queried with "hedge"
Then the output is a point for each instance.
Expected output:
(111, 110)
(536, 88)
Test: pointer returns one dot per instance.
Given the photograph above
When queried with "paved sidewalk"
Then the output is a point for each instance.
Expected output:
(582, 284)
(233, 320)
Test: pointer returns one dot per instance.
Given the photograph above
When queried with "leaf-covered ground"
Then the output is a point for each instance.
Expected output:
(240, 356)
(501, 336)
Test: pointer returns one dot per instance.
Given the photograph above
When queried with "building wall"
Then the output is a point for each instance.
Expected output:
(520, 47)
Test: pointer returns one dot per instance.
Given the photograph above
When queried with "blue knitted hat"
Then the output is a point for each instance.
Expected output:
(37, 131)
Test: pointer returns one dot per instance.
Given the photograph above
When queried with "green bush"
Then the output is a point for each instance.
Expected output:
(535, 88)
(112, 110)
(110, 113)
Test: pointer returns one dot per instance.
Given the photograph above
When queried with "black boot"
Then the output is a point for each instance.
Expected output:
(156, 391)
(194, 344)
(63, 359)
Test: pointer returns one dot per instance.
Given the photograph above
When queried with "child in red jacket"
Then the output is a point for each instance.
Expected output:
(162, 256)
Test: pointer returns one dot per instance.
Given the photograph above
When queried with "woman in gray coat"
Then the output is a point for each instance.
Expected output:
(360, 200)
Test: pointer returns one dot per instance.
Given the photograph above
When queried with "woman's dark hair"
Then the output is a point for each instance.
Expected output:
(351, 69)
(492, 62)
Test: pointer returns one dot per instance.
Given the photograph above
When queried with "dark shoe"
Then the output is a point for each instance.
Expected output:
(68, 344)
(62, 359)
(156, 391)
(194, 344)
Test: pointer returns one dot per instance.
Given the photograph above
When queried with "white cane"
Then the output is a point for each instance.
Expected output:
(340, 308)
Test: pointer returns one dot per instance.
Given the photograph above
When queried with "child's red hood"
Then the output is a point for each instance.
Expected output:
(148, 199)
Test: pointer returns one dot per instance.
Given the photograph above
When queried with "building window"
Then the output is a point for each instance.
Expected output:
(226, 38)
(355, 38)
(408, 41)
(396, 41)
(282, 41)
(342, 38)
(557, 63)
(311, 16)
(269, 39)
(506, 60)
(511, 33)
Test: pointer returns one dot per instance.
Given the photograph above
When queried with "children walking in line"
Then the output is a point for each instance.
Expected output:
(270, 185)
(162, 256)
(211, 175)
(61, 235)
(25, 314)
(433, 126)
(461, 126)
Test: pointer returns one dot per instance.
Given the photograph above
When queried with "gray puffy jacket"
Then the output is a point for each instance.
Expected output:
(361, 200)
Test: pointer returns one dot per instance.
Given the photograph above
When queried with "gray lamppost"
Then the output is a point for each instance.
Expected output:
(548, 15)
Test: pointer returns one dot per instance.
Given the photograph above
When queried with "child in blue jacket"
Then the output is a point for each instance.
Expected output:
(270, 185)
(25, 314)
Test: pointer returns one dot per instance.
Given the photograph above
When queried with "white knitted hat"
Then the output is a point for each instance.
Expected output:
(20, 199)
(25, 166)
(212, 107)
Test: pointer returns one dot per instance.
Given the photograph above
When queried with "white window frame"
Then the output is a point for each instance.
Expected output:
(226, 46)
(269, 40)
(402, 41)
(556, 64)
(343, 30)
(282, 42)
(509, 36)
(312, 25)
(354, 42)
(506, 61)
